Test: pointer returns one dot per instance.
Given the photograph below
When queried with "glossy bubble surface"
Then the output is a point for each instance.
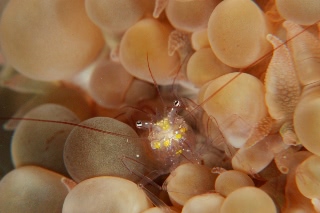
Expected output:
(90, 153)
(115, 195)
(42, 46)
(32, 189)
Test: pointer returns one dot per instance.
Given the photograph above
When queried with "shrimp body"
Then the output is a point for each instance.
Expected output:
(171, 138)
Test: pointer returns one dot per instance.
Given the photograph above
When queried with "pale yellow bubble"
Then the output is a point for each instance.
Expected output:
(41, 143)
(307, 120)
(237, 36)
(308, 177)
(32, 189)
(189, 180)
(145, 41)
(305, 12)
(106, 194)
(54, 43)
(248, 199)
(236, 101)
(205, 203)
(190, 16)
(231, 180)
(204, 66)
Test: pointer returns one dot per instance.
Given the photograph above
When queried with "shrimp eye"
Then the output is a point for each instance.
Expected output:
(177, 103)
(139, 124)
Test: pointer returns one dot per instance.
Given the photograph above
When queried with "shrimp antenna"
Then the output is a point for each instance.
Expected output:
(70, 124)
(154, 81)
(177, 74)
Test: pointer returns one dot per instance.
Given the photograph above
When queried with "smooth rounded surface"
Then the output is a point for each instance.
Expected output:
(103, 149)
(307, 120)
(305, 12)
(204, 66)
(199, 39)
(159, 210)
(231, 180)
(146, 44)
(237, 36)
(308, 177)
(106, 194)
(254, 159)
(190, 16)
(41, 143)
(115, 15)
(32, 189)
(55, 42)
(205, 203)
(188, 180)
(248, 199)
(237, 107)
(109, 84)
(304, 52)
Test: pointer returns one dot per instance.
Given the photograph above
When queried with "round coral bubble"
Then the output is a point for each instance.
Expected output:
(236, 101)
(204, 66)
(106, 147)
(48, 40)
(32, 189)
(41, 143)
(106, 194)
(308, 177)
(115, 15)
(188, 180)
(205, 203)
(237, 31)
(190, 16)
(148, 38)
(305, 12)
(231, 180)
(109, 84)
(248, 199)
(307, 120)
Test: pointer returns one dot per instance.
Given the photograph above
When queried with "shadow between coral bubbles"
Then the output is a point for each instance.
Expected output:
(9, 103)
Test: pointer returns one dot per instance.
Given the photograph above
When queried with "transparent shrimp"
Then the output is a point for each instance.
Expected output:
(171, 138)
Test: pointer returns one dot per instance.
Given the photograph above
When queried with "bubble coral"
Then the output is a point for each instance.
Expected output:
(109, 83)
(31, 189)
(90, 153)
(138, 43)
(249, 106)
(190, 16)
(307, 120)
(115, 195)
(305, 52)
(199, 39)
(249, 120)
(204, 203)
(42, 144)
(115, 16)
(204, 66)
(189, 180)
(158, 210)
(254, 159)
(77, 103)
(231, 180)
(237, 36)
(308, 177)
(301, 12)
(248, 199)
(66, 40)
(112, 86)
